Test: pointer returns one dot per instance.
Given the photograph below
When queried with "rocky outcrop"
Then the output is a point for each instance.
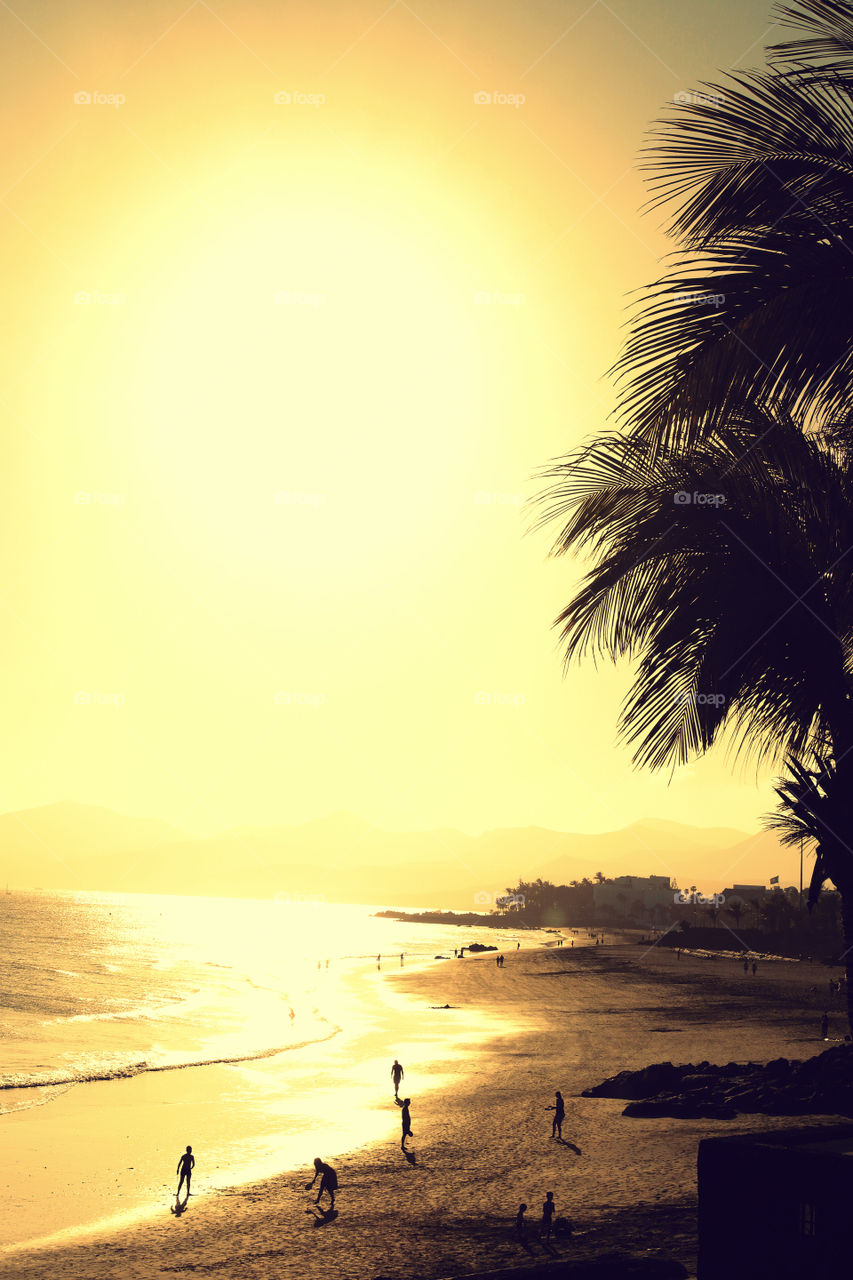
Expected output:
(822, 1085)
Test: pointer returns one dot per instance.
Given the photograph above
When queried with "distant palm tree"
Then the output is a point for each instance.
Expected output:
(758, 303)
(599, 877)
(723, 572)
(735, 910)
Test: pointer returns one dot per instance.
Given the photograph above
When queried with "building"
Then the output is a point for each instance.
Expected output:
(625, 894)
(744, 894)
(776, 1204)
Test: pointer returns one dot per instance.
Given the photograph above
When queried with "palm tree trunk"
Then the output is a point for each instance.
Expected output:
(847, 926)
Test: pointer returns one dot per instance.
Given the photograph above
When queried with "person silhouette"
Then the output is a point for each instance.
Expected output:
(397, 1074)
(328, 1181)
(186, 1164)
(406, 1119)
(824, 1027)
(521, 1224)
(559, 1109)
(548, 1210)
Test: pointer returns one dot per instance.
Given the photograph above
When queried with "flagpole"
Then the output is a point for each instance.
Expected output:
(801, 872)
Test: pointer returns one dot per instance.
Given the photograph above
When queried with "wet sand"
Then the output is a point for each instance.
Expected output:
(560, 1018)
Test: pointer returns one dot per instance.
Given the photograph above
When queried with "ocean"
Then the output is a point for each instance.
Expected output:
(96, 986)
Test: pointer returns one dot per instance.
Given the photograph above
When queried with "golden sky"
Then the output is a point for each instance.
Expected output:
(291, 319)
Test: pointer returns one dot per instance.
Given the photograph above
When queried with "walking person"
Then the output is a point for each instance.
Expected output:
(521, 1224)
(824, 1026)
(186, 1164)
(559, 1109)
(397, 1074)
(548, 1211)
(328, 1181)
(406, 1119)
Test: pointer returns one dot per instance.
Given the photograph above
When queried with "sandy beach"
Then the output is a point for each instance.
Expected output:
(480, 1075)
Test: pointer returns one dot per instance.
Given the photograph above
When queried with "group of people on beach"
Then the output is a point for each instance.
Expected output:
(329, 1178)
(397, 1074)
(546, 1225)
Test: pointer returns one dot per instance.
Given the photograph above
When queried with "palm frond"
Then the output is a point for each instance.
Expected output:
(826, 38)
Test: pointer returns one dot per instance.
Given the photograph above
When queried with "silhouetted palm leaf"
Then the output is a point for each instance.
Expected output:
(827, 33)
(758, 177)
(737, 614)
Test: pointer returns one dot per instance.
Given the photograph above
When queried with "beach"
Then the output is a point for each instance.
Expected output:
(480, 1074)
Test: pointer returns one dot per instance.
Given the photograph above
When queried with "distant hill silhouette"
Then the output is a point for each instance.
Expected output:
(343, 858)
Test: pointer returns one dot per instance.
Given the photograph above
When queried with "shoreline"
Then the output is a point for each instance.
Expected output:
(555, 1018)
(260, 1094)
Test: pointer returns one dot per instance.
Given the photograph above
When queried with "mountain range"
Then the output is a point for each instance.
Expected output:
(343, 858)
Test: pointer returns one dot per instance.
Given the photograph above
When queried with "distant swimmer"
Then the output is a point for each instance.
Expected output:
(328, 1181)
(397, 1074)
(402, 953)
(406, 1119)
(559, 1109)
(186, 1164)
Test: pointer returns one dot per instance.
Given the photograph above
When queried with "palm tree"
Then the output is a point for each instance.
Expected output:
(735, 910)
(722, 571)
(758, 301)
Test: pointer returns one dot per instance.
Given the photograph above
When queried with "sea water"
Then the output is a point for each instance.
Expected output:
(95, 986)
